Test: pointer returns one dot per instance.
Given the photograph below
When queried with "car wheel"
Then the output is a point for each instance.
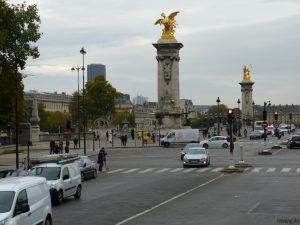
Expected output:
(48, 221)
(60, 197)
(78, 192)
(225, 145)
(95, 174)
(205, 145)
(167, 144)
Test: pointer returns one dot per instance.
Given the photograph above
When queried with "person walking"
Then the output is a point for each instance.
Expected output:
(75, 142)
(104, 157)
(132, 134)
(106, 135)
(100, 160)
(56, 149)
(125, 139)
(52, 147)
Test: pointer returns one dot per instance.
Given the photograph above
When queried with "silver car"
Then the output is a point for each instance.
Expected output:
(196, 156)
(215, 142)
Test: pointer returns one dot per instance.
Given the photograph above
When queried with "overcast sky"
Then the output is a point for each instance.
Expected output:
(219, 37)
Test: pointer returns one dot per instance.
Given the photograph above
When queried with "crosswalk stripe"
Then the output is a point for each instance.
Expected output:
(115, 171)
(203, 170)
(176, 170)
(270, 170)
(256, 170)
(147, 170)
(285, 170)
(217, 169)
(298, 170)
(163, 170)
(188, 170)
(131, 171)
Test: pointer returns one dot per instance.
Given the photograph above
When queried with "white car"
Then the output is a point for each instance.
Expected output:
(25, 200)
(215, 142)
(196, 156)
(64, 180)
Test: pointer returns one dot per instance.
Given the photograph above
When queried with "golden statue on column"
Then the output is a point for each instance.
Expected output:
(246, 71)
(169, 25)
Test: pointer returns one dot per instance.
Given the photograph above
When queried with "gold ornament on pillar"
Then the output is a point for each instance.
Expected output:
(169, 25)
(246, 71)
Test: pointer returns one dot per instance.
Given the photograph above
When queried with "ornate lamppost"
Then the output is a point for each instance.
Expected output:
(218, 116)
(253, 116)
(83, 52)
(239, 118)
(78, 124)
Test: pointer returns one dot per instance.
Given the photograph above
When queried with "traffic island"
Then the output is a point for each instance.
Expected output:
(265, 152)
(242, 164)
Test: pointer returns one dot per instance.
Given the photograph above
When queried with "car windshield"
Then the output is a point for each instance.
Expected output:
(196, 151)
(6, 200)
(79, 162)
(191, 145)
(50, 173)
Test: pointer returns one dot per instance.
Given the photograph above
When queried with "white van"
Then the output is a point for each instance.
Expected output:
(181, 136)
(63, 179)
(25, 200)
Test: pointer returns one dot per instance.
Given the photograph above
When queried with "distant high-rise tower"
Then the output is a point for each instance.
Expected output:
(94, 70)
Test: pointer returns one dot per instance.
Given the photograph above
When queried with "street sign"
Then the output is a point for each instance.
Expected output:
(276, 125)
(265, 124)
(67, 133)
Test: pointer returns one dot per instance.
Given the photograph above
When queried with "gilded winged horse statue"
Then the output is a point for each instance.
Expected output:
(169, 25)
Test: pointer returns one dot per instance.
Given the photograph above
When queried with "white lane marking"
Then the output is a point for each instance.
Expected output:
(176, 170)
(147, 170)
(115, 171)
(131, 171)
(256, 170)
(285, 170)
(298, 170)
(270, 170)
(163, 170)
(188, 170)
(169, 200)
(203, 170)
(217, 169)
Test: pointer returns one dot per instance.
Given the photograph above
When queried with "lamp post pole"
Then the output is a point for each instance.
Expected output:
(253, 116)
(78, 124)
(218, 116)
(239, 117)
(83, 52)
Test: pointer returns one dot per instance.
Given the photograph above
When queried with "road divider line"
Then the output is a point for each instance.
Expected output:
(115, 171)
(163, 170)
(131, 171)
(147, 170)
(169, 200)
(270, 170)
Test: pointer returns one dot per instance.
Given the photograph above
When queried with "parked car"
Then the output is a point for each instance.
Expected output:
(256, 134)
(196, 156)
(88, 168)
(5, 173)
(294, 141)
(25, 200)
(63, 179)
(189, 145)
(215, 142)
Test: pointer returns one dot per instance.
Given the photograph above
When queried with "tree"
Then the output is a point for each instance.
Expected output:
(120, 117)
(19, 29)
(100, 98)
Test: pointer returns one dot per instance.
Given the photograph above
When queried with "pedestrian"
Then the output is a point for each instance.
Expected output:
(153, 137)
(98, 136)
(106, 135)
(132, 134)
(125, 139)
(100, 159)
(75, 142)
(122, 140)
(56, 149)
(52, 147)
(104, 157)
(61, 146)
(245, 132)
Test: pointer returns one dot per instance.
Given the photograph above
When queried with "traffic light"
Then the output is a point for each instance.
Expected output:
(276, 115)
(264, 115)
(230, 115)
(68, 125)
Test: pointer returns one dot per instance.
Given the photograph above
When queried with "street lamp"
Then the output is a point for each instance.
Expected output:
(253, 116)
(78, 124)
(239, 116)
(265, 117)
(83, 52)
(218, 116)
(186, 113)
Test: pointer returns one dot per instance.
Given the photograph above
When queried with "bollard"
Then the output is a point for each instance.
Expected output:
(241, 152)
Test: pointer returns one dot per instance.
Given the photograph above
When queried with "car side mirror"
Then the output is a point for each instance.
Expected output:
(66, 176)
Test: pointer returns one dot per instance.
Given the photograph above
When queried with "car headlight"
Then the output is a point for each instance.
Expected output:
(3, 222)
(185, 159)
